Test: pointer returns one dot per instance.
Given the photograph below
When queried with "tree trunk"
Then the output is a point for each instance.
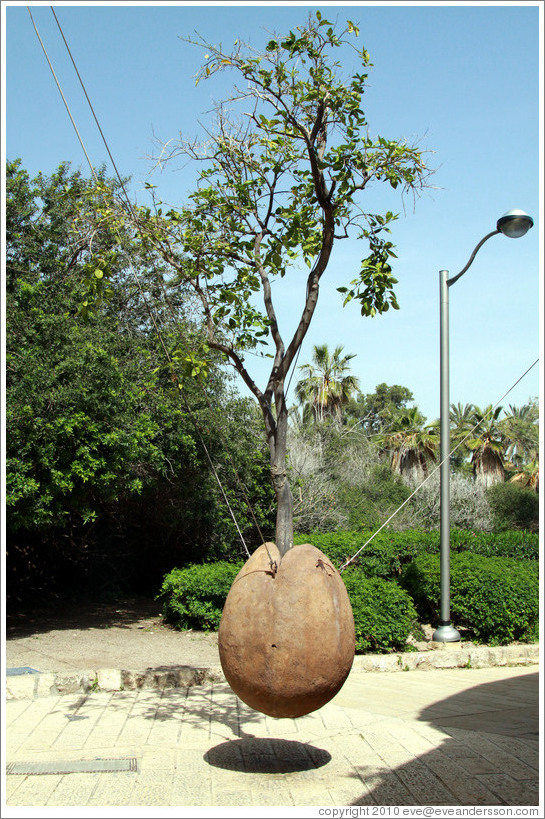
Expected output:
(277, 433)
(488, 467)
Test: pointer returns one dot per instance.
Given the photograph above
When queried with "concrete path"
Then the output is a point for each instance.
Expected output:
(448, 737)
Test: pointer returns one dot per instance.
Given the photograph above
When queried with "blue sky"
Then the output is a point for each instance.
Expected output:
(463, 80)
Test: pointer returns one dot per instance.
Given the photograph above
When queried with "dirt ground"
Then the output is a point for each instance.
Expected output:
(127, 633)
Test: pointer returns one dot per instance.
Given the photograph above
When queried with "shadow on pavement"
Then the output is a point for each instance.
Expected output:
(87, 613)
(489, 755)
(509, 707)
(195, 711)
(266, 755)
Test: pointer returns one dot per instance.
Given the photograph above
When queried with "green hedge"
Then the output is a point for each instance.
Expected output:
(389, 552)
(194, 597)
(384, 614)
(495, 598)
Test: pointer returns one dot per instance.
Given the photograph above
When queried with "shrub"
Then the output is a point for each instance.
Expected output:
(495, 598)
(384, 614)
(469, 506)
(194, 597)
(517, 544)
(383, 557)
(369, 502)
(389, 552)
(514, 507)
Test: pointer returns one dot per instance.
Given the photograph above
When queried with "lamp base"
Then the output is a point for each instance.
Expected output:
(446, 633)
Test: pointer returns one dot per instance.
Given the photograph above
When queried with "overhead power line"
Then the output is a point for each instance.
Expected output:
(136, 278)
(152, 317)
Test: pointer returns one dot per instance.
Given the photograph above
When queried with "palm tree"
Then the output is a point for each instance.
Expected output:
(521, 438)
(528, 477)
(487, 446)
(411, 444)
(462, 422)
(521, 434)
(327, 385)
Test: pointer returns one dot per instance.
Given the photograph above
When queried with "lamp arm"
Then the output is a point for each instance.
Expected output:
(463, 270)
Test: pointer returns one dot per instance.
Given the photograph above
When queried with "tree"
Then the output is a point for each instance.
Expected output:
(376, 410)
(462, 421)
(79, 392)
(327, 386)
(521, 433)
(487, 447)
(283, 173)
(101, 450)
(411, 444)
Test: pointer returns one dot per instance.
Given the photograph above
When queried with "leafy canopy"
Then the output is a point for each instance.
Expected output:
(282, 176)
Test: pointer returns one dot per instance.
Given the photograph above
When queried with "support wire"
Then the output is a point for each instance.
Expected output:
(142, 294)
(354, 556)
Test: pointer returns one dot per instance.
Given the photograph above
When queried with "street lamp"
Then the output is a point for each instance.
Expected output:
(514, 223)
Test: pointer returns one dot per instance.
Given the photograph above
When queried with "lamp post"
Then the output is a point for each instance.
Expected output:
(514, 223)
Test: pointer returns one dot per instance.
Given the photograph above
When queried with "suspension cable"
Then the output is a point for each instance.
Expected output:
(459, 444)
(135, 276)
(169, 305)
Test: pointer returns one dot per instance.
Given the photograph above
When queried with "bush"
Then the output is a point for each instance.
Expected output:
(389, 552)
(383, 557)
(469, 506)
(367, 503)
(384, 614)
(517, 544)
(514, 507)
(495, 598)
(194, 597)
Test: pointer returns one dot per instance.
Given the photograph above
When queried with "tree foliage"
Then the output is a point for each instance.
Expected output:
(104, 452)
(327, 384)
(284, 170)
(374, 412)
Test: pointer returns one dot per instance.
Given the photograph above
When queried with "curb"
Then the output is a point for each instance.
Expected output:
(33, 684)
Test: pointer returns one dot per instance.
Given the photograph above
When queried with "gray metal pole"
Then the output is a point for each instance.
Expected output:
(513, 224)
(445, 633)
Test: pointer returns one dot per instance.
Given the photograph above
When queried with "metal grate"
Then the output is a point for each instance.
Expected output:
(73, 766)
(22, 669)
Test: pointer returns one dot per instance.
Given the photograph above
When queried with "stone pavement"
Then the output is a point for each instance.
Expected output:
(448, 737)
(30, 680)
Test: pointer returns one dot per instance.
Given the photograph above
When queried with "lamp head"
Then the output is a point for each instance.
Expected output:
(514, 223)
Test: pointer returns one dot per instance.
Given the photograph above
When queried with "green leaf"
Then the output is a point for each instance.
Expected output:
(353, 28)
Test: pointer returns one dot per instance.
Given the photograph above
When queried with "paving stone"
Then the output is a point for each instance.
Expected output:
(22, 687)
(386, 789)
(377, 743)
(35, 790)
(510, 791)
(75, 789)
(460, 780)
(424, 785)
(113, 789)
(485, 745)
(526, 751)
